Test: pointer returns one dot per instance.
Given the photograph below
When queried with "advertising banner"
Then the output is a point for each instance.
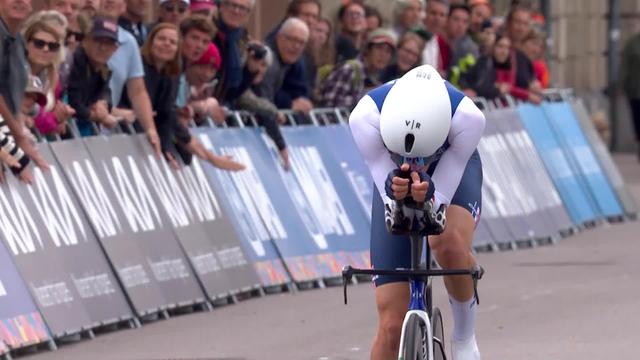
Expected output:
(604, 158)
(203, 229)
(57, 254)
(240, 206)
(572, 191)
(580, 154)
(322, 191)
(502, 187)
(141, 245)
(347, 154)
(20, 321)
(540, 189)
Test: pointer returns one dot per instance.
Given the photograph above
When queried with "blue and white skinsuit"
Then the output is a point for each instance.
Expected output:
(455, 168)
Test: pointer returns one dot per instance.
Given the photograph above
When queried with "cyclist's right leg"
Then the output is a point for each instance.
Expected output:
(392, 293)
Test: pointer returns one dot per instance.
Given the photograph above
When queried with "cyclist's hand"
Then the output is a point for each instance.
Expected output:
(396, 187)
(419, 188)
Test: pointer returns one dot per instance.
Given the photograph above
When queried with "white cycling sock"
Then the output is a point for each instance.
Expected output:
(464, 318)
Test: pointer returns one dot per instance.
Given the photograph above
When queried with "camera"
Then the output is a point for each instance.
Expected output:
(258, 51)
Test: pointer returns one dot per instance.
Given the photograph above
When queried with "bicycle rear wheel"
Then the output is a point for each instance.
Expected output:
(437, 329)
(415, 344)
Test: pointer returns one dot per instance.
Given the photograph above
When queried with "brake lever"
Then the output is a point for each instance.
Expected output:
(346, 278)
(476, 274)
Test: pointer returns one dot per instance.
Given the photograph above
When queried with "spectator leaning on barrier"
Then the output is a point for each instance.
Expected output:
(495, 76)
(345, 86)
(289, 45)
(410, 49)
(161, 58)
(172, 11)
(196, 33)
(300, 79)
(352, 31)
(406, 14)
(630, 79)
(436, 51)
(44, 33)
(464, 49)
(89, 93)
(200, 75)
(133, 17)
(232, 40)
(267, 114)
(126, 69)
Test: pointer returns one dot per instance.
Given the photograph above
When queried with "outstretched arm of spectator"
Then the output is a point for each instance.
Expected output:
(141, 104)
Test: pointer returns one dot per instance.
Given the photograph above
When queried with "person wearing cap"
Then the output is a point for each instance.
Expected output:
(89, 93)
(127, 70)
(347, 84)
(200, 76)
(172, 11)
(206, 8)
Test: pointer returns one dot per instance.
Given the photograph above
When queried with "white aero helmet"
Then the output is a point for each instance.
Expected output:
(416, 116)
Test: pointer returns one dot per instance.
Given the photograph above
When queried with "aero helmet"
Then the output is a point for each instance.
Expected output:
(416, 116)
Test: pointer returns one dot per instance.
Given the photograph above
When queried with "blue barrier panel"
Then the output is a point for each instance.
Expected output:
(577, 149)
(572, 192)
(347, 154)
(299, 240)
(321, 190)
(243, 214)
(262, 208)
(20, 322)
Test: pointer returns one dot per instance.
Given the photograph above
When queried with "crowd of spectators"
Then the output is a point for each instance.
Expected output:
(99, 65)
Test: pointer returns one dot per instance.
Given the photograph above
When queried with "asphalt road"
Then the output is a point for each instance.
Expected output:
(578, 299)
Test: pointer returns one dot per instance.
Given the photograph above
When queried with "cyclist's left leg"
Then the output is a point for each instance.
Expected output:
(452, 249)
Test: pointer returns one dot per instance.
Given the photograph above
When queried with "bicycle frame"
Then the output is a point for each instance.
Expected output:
(419, 281)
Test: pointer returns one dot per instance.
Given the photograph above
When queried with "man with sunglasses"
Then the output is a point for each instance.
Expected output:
(172, 11)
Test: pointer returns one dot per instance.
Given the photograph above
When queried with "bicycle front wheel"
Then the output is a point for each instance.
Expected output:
(416, 346)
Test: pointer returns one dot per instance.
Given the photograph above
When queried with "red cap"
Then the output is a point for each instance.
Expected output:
(196, 5)
(211, 56)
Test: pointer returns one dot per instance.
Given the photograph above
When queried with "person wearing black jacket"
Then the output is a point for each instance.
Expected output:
(88, 88)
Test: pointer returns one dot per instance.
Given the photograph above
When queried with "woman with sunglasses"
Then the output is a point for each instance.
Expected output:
(44, 34)
(161, 59)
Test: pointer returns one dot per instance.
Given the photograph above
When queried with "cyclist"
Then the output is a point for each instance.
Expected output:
(421, 123)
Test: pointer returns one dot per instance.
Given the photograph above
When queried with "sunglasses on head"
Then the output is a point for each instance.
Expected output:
(172, 8)
(51, 46)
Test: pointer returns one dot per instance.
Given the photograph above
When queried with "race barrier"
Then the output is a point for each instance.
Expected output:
(111, 233)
